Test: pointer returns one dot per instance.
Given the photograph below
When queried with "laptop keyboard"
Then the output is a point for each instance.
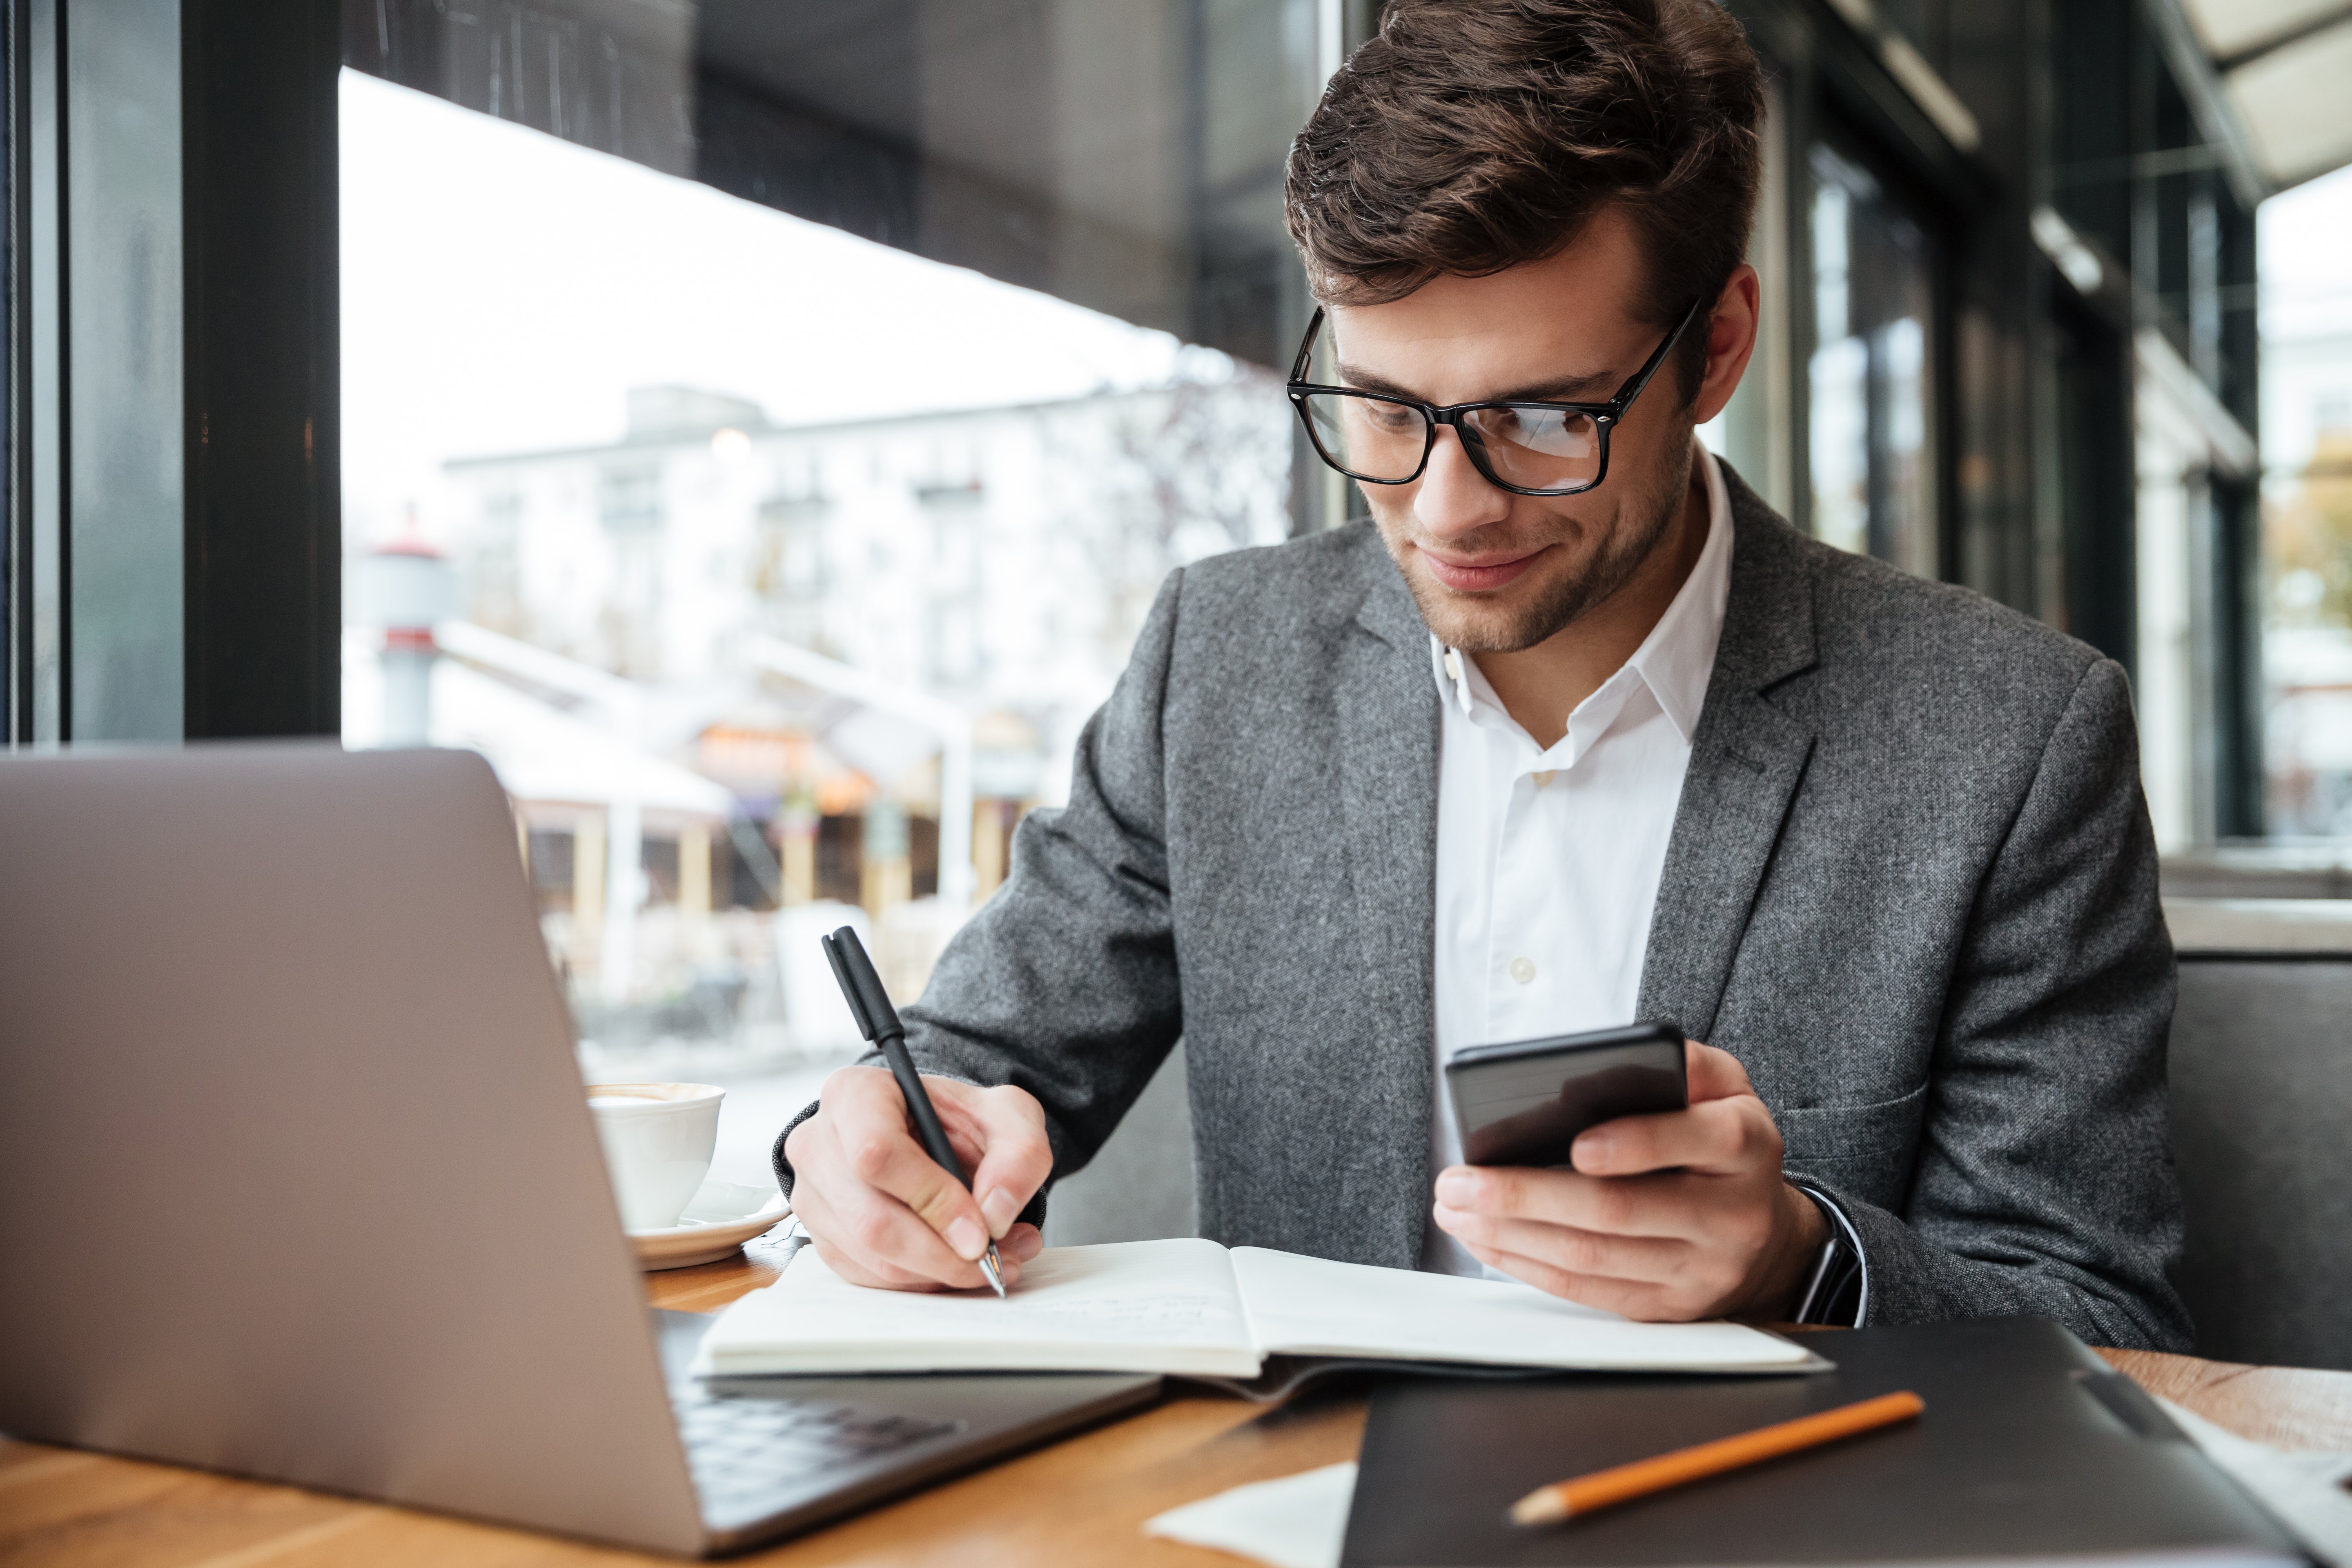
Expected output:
(740, 1446)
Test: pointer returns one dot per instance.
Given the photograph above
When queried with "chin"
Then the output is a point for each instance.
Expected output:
(1505, 621)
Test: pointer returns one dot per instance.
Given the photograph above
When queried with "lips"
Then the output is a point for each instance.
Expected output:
(1479, 576)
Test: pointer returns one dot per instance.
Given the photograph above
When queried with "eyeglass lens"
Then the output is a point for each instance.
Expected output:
(1527, 446)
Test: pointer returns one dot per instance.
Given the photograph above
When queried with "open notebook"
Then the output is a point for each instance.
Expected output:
(1192, 1307)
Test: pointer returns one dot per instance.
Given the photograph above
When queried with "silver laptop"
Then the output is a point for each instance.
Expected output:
(296, 1180)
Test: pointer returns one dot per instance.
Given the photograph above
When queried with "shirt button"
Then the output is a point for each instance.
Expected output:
(1523, 970)
(1542, 778)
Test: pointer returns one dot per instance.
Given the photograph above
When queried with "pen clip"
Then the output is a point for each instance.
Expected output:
(868, 1003)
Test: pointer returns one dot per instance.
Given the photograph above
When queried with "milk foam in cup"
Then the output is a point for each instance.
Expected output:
(657, 1140)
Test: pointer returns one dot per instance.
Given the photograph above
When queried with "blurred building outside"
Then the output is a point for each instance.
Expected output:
(747, 682)
(774, 570)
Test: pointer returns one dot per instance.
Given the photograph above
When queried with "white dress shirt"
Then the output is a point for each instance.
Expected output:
(1548, 861)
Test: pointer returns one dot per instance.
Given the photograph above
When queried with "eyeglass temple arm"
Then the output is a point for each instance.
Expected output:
(1633, 389)
(1307, 346)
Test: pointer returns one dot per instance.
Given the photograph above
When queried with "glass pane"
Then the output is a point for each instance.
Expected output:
(1870, 383)
(2307, 443)
(765, 432)
(124, 505)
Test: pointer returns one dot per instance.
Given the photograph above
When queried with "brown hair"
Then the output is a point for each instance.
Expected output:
(1472, 135)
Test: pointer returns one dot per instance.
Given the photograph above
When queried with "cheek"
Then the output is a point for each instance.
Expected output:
(1388, 506)
(1581, 536)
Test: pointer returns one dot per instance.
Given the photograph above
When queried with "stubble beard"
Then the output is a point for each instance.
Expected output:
(1633, 536)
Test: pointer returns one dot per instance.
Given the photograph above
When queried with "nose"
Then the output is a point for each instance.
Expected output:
(1454, 498)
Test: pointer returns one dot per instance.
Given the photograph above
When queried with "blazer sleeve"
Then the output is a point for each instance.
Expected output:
(2044, 1182)
(1064, 982)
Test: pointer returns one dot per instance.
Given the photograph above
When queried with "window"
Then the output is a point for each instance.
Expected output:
(1871, 381)
(799, 407)
(2306, 435)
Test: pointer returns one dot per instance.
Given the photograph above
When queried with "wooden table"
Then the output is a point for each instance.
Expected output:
(61, 1506)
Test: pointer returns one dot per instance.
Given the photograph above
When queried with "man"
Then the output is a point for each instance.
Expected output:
(1576, 731)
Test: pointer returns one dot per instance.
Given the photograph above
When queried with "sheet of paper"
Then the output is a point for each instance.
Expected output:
(1299, 1521)
(1312, 1306)
(1138, 1306)
(2305, 1490)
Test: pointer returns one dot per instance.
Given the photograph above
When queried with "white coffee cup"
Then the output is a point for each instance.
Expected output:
(657, 1141)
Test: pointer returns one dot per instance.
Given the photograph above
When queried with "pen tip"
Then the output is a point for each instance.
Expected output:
(991, 1266)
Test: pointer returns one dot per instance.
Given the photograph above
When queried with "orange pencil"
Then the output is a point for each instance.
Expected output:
(1604, 1488)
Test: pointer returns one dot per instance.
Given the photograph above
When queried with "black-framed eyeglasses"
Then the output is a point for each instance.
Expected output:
(1527, 448)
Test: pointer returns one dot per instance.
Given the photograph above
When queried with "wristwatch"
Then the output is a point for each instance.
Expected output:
(1837, 1292)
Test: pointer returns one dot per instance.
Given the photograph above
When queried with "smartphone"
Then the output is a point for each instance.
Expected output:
(1523, 1102)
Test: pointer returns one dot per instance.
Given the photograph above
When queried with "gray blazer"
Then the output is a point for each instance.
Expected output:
(1911, 886)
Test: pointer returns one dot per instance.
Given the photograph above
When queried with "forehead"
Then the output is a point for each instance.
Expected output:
(1455, 340)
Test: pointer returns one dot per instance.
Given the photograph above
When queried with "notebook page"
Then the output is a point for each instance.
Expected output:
(1312, 1306)
(1135, 1306)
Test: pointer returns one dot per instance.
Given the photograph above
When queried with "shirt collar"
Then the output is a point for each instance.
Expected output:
(1677, 656)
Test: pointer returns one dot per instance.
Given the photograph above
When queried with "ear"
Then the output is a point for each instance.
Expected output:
(1731, 341)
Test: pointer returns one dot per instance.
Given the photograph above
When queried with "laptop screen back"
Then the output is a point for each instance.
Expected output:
(299, 1179)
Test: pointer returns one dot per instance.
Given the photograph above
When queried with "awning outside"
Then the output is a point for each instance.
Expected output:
(2284, 65)
(542, 753)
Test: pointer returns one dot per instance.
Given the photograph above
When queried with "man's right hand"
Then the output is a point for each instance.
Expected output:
(880, 1210)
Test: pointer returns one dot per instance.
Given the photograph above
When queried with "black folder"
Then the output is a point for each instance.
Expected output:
(2032, 1447)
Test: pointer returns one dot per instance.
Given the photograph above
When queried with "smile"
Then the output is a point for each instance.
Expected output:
(1480, 576)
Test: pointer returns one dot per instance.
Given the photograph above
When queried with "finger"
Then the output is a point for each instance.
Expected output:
(1654, 1259)
(885, 1239)
(1022, 1243)
(869, 1117)
(1713, 1074)
(883, 1275)
(881, 1236)
(1659, 1205)
(1631, 1298)
(874, 1274)
(841, 1206)
(1004, 1127)
(1721, 1137)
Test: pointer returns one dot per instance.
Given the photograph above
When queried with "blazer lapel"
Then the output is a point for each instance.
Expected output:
(1747, 758)
(1388, 733)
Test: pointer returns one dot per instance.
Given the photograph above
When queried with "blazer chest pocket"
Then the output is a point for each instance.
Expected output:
(1866, 1150)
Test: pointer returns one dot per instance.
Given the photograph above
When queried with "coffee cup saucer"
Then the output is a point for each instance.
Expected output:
(722, 1217)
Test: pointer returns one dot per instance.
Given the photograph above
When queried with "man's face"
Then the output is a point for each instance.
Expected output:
(1491, 570)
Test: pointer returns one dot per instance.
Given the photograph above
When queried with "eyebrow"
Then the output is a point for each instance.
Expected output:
(1594, 388)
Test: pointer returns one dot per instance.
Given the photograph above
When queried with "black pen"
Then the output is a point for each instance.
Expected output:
(879, 1022)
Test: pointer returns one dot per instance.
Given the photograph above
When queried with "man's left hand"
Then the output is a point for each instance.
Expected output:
(1665, 1218)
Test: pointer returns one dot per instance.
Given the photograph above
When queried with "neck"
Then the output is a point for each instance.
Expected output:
(1539, 687)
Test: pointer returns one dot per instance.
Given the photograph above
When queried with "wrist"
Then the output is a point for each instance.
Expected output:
(1800, 1232)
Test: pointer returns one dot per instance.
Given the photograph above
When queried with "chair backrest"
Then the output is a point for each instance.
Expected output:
(2261, 1130)
(1139, 1187)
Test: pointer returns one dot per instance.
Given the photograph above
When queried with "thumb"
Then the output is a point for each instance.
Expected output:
(1714, 1075)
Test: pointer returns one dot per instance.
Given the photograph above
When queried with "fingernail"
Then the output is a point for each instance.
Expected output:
(966, 1238)
(1457, 1188)
(1000, 1208)
(1592, 1150)
(1028, 1246)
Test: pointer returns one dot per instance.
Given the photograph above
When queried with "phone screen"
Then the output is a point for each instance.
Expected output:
(1523, 1102)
